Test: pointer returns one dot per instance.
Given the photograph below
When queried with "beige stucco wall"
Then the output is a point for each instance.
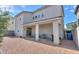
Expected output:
(18, 25)
(49, 12)
(78, 13)
(43, 29)
(27, 18)
(77, 16)
(61, 28)
(46, 29)
(24, 18)
(75, 38)
(33, 30)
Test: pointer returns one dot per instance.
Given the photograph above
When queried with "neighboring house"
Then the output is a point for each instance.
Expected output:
(42, 23)
(69, 30)
(11, 26)
(70, 26)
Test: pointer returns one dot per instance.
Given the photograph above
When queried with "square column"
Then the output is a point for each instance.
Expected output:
(37, 32)
(77, 29)
(56, 32)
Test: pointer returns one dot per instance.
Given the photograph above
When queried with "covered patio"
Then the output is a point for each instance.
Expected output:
(47, 29)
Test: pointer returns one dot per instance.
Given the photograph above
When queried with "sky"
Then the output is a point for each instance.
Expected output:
(69, 13)
(69, 10)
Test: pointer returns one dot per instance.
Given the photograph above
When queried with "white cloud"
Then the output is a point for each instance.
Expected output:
(74, 6)
(72, 10)
(65, 26)
(66, 8)
(74, 20)
(23, 7)
(9, 8)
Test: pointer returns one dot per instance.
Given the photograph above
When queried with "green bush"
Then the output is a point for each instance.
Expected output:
(4, 17)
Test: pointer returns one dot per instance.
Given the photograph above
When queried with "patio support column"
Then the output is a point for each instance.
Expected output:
(77, 29)
(37, 32)
(56, 32)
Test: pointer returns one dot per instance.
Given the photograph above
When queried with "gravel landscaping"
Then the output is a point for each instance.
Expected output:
(22, 46)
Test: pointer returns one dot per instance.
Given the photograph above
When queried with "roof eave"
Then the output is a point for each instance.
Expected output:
(21, 13)
(76, 9)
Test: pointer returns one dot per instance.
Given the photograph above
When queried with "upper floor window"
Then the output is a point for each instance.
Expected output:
(42, 15)
(38, 16)
(35, 17)
(78, 22)
(12, 22)
(20, 18)
(17, 30)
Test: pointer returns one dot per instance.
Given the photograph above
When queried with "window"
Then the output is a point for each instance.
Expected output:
(12, 22)
(35, 17)
(78, 22)
(42, 15)
(17, 30)
(38, 16)
(20, 18)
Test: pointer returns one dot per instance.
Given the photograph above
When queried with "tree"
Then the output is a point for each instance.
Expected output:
(4, 17)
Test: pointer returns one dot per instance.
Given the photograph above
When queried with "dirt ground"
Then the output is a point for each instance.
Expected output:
(22, 46)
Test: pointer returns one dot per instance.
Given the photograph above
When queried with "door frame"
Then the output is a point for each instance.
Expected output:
(29, 32)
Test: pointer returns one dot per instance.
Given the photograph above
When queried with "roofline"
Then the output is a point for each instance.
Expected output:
(71, 22)
(76, 9)
(45, 6)
(63, 10)
(22, 12)
(33, 11)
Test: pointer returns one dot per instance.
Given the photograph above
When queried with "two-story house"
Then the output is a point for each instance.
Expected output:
(46, 22)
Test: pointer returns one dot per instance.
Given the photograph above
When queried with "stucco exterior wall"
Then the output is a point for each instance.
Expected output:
(78, 13)
(75, 38)
(46, 29)
(61, 28)
(43, 29)
(33, 31)
(18, 26)
(24, 18)
(77, 16)
(49, 12)
(27, 18)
